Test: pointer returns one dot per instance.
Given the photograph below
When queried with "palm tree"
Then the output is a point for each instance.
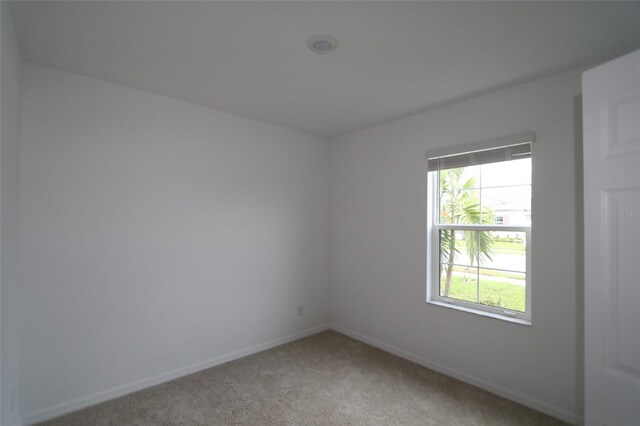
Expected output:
(459, 203)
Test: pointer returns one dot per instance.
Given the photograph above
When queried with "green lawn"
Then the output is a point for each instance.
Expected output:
(492, 272)
(507, 245)
(492, 293)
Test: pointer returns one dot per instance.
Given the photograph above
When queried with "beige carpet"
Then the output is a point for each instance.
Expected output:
(325, 379)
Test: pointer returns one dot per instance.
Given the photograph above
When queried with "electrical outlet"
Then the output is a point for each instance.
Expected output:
(300, 310)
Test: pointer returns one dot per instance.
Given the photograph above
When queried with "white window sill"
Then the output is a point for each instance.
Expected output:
(480, 312)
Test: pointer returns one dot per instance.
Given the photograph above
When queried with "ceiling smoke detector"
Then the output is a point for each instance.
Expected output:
(322, 43)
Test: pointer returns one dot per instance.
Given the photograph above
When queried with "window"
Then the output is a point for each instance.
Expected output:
(479, 228)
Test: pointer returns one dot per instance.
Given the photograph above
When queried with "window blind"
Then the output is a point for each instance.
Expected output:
(474, 158)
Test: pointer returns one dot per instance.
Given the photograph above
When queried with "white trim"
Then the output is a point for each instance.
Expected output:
(118, 391)
(481, 227)
(536, 404)
(460, 305)
(433, 238)
(96, 398)
(528, 137)
(433, 261)
(433, 283)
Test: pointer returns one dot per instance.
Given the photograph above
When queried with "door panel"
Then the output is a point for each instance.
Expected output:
(611, 108)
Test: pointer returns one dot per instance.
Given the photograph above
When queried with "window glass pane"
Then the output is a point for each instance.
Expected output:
(512, 204)
(459, 282)
(514, 172)
(470, 177)
(458, 247)
(458, 195)
(503, 250)
(460, 206)
(484, 267)
(460, 178)
(502, 289)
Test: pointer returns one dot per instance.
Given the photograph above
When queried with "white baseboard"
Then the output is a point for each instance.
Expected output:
(559, 413)
(118, 391)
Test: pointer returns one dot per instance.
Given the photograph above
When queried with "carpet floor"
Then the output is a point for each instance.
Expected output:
(324, 379)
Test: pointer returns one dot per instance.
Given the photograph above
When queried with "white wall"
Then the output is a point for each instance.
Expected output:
(9, 291)
(378, 198)
(156, 234)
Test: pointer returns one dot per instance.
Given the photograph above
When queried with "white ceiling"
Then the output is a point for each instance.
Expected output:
(393, 58)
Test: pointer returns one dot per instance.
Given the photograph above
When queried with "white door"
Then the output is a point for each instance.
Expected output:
(611, 116)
